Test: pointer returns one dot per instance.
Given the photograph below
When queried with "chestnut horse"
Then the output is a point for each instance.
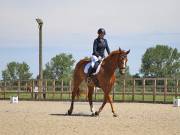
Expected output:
(105, 77)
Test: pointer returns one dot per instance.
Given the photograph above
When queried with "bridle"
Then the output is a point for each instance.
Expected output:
(122, 56)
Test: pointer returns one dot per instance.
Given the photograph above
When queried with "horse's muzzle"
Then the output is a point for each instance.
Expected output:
(122, 71)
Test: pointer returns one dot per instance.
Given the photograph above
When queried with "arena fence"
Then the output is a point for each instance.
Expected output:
(157, 90)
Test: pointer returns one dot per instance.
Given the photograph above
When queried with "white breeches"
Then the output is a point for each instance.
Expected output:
(94, 59)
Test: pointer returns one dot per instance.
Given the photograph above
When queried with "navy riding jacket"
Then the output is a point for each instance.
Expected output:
(99, 46)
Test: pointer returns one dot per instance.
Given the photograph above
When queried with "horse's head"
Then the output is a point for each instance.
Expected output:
(122, 60)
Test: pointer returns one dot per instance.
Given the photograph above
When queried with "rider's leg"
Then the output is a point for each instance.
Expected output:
(91, 68)
(96, 65)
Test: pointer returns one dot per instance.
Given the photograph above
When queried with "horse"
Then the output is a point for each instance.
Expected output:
(106, 78)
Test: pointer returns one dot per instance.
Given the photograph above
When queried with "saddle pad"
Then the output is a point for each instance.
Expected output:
(88, 65)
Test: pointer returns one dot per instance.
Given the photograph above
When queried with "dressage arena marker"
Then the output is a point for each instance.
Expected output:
(176, 102)
(14, 99)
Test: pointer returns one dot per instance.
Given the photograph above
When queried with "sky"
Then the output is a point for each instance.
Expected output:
(70, 26)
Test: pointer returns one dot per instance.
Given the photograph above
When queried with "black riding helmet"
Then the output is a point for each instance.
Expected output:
(101, 30)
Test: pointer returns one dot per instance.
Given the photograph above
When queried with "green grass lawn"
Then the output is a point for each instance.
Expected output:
(96, 97)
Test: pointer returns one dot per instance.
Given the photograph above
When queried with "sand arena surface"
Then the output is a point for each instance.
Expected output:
(47, 118)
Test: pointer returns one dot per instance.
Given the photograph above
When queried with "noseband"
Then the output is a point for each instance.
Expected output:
(123, 56)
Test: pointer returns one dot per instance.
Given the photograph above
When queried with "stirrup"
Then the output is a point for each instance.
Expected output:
(89, 80)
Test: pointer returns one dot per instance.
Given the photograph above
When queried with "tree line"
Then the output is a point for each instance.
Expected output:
(158, 61)
(60, 67)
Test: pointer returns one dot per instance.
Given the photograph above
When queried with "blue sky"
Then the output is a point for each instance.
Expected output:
(71, 26)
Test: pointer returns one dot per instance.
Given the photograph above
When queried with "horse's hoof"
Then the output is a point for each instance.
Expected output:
(96, 113)
(69, 112)
(115, 115)
(93, 114)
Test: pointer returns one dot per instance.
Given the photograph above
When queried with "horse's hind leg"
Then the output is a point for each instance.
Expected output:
(75, 92)
(72, 101)
(90, 93)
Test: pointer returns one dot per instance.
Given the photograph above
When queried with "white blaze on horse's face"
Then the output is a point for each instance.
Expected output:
(123, 66)
(123, 70)
(123, 61)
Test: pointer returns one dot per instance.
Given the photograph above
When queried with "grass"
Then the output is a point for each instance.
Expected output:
(96, 97)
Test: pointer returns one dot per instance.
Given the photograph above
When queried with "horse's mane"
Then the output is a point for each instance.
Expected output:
(116, 52)
(113, 53)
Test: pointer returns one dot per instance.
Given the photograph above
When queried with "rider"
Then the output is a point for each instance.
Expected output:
(99, 46)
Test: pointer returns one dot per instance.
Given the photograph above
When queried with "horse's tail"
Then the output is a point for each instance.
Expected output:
(77, 76)
(76, 90)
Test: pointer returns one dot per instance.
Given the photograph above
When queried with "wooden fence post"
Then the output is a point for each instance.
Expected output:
(46, 87)
(62, 89)
(95, 89)
(32, 90)
(123, 92)
(26, 86)
(176, 90)
(133, 89)
(5, 90)
(165, 89)
(39, 88)
(70, 89)
(144, 88)
(0, 89)
(19, 87)
(154, 91)
(54, 87)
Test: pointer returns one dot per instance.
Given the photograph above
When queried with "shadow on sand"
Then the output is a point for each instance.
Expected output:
(76, 114)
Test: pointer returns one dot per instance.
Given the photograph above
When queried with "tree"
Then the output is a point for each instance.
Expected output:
(137, 75)
(23, 71)
(6, 75)
(59, 67)
(161, 61)
(15, 70)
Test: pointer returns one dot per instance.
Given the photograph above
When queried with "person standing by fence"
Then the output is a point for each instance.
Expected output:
(36, 90)
(44, 90)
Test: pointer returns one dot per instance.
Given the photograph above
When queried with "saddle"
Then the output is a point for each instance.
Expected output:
(92, 80)
(95, 72)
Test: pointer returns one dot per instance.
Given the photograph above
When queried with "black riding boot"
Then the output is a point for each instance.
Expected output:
(96, 65)
(90, 71)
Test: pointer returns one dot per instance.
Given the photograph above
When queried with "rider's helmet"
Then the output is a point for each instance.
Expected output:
(101, 30)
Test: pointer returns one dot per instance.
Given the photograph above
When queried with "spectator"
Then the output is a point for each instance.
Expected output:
(36, 90)
(44, 90)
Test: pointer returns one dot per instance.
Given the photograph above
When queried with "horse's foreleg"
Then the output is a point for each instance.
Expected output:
(103, 104)
(112, 107)
(90, 93)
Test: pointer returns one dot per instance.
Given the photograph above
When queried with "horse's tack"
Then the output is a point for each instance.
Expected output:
(89, 64)
(92, 81)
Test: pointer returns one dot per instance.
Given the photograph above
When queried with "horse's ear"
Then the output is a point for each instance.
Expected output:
(119, 49)
(128, 51)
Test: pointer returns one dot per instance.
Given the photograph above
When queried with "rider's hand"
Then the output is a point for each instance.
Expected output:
(99, 58)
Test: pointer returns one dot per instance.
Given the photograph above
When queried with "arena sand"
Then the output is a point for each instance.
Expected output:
(47, 118)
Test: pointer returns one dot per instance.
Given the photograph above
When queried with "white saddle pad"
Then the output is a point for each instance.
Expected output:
(88, 65)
